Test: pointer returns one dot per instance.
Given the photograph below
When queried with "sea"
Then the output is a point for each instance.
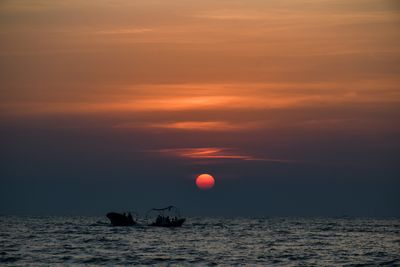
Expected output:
(92, 241)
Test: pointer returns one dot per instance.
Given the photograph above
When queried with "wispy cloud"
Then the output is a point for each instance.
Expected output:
(211, 126)
(231, 15)
(216, 153)
(124, 31)
(212, 97)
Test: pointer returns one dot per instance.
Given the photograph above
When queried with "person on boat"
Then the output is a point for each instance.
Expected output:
(130, 217)
(167, 220)
(159, 219)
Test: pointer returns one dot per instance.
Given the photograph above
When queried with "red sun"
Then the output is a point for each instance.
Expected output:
(205, 181)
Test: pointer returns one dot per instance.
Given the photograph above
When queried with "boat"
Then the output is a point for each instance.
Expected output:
(118, 219)
(165, 217)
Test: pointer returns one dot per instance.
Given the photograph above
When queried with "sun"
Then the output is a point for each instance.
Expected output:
(205, 181)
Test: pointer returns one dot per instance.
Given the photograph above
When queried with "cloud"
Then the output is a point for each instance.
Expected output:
(124, 31)
(215, 153)
(210, 126)
(215, 97)
(231, 15)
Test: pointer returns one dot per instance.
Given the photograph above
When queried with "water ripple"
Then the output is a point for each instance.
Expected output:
(201, 241)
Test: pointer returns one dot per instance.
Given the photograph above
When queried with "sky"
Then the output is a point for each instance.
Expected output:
(292, 105)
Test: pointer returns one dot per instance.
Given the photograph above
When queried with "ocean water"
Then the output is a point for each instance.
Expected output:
(27, 241)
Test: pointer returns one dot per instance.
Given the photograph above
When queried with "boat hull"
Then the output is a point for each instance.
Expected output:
(118, 219)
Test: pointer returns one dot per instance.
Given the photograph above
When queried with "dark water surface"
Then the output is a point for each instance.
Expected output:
(201, 241)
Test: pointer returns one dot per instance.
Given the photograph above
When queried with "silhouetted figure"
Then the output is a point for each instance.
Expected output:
(167, 221)
(159, 219)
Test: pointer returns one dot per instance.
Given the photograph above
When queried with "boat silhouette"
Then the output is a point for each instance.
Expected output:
(165, 217)
(118, 219)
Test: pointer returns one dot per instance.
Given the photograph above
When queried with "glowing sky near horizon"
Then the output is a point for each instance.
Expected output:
(257, 83)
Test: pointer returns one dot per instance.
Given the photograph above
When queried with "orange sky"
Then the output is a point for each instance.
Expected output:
(217, 66)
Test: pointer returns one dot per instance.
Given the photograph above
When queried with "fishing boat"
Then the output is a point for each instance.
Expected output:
(165, 217)
(118, 219)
